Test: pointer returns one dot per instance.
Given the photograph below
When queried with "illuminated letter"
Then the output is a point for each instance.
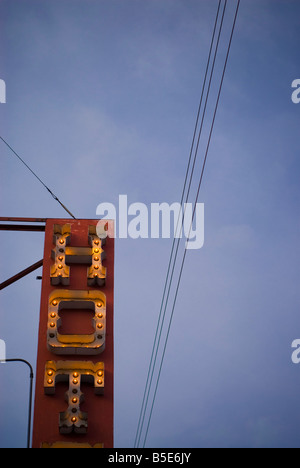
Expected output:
(76, 344)
(73, 420)
(64, 256)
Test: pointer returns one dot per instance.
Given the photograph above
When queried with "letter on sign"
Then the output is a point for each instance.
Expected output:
(73, 420)
(63, 256)
(76, 344)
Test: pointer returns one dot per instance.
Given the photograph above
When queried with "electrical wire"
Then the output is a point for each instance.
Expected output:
(177, 241)
(37, 177)
(195, 203)
(169, 278)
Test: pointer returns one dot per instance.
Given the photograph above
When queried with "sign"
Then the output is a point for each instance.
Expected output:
(74, 378)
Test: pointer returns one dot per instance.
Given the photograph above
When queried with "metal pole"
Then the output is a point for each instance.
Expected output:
(22, 227)
(20, 275)
(30, 394)
(22, 220)
(16, 278)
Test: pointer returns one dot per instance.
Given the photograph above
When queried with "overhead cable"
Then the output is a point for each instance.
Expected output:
(195, 203)
(170, 270)
(38, 178)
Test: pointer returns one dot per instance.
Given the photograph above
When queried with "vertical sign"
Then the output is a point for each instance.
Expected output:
(74, 378)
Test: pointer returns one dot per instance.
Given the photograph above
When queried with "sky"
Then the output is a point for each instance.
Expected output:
(101, 100)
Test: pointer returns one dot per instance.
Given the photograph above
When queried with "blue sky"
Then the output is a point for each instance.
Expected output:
(102, 98)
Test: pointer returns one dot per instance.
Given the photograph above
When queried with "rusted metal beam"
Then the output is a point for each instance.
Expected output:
(20, 275)
(22, 227)
(23, 220)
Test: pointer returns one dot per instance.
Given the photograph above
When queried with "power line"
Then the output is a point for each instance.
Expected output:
(189, 187)
(37, 177)
(196, 200)
(167, 289)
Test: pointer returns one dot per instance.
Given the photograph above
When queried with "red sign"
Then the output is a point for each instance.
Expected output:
(74, 378)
